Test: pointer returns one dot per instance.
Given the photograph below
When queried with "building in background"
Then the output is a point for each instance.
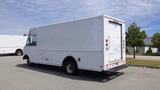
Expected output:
(143, 49)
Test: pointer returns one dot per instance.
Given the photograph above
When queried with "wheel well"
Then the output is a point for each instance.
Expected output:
(69, 58)
(20, 50)
(25, 57)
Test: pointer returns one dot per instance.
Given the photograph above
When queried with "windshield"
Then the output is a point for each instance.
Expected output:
(32, 40)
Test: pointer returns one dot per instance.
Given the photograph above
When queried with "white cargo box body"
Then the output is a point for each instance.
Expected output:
(11, 43)
(96, 43)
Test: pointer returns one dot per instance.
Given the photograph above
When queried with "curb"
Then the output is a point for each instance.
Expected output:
(144, 66)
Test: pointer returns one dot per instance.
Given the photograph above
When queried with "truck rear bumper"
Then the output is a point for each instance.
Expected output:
(116, 68)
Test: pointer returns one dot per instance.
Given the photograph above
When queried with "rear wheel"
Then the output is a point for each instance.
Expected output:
(70, 67)
(19, 52)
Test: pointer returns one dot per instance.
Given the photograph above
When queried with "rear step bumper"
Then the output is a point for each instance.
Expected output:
(116, 68)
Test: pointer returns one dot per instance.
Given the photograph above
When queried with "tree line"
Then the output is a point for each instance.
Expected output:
(135, 37)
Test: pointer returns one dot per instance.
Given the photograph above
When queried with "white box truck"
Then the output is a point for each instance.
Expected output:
(12, 44)
(96, 44)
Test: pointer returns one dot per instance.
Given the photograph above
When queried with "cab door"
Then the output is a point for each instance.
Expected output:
(31, 47)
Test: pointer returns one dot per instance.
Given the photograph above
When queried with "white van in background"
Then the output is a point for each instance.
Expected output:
(12, 44)
(96, 44)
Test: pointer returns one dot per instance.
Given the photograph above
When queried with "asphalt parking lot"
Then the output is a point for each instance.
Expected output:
(16, 75)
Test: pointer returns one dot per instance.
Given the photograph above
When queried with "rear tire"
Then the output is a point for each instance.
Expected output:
(19, 52)
(70, 67)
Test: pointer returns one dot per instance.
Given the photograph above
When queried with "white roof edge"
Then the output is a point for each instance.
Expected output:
(110, 17)
(10, 35)
(82, 19)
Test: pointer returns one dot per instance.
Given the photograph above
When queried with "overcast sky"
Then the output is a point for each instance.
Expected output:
(18, 16)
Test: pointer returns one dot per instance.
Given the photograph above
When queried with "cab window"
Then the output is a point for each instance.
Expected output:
(32, 40)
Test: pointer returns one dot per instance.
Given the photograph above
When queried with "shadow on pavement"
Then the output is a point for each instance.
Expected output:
(82, 75)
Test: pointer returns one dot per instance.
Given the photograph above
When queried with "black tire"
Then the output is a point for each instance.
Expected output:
(29, 63)
(19, 52)
(70, 67)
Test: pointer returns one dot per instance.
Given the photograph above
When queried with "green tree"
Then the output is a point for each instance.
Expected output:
(156, 40)
(135, 37)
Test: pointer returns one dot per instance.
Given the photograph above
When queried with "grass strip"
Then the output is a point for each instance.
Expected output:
(146, 63)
